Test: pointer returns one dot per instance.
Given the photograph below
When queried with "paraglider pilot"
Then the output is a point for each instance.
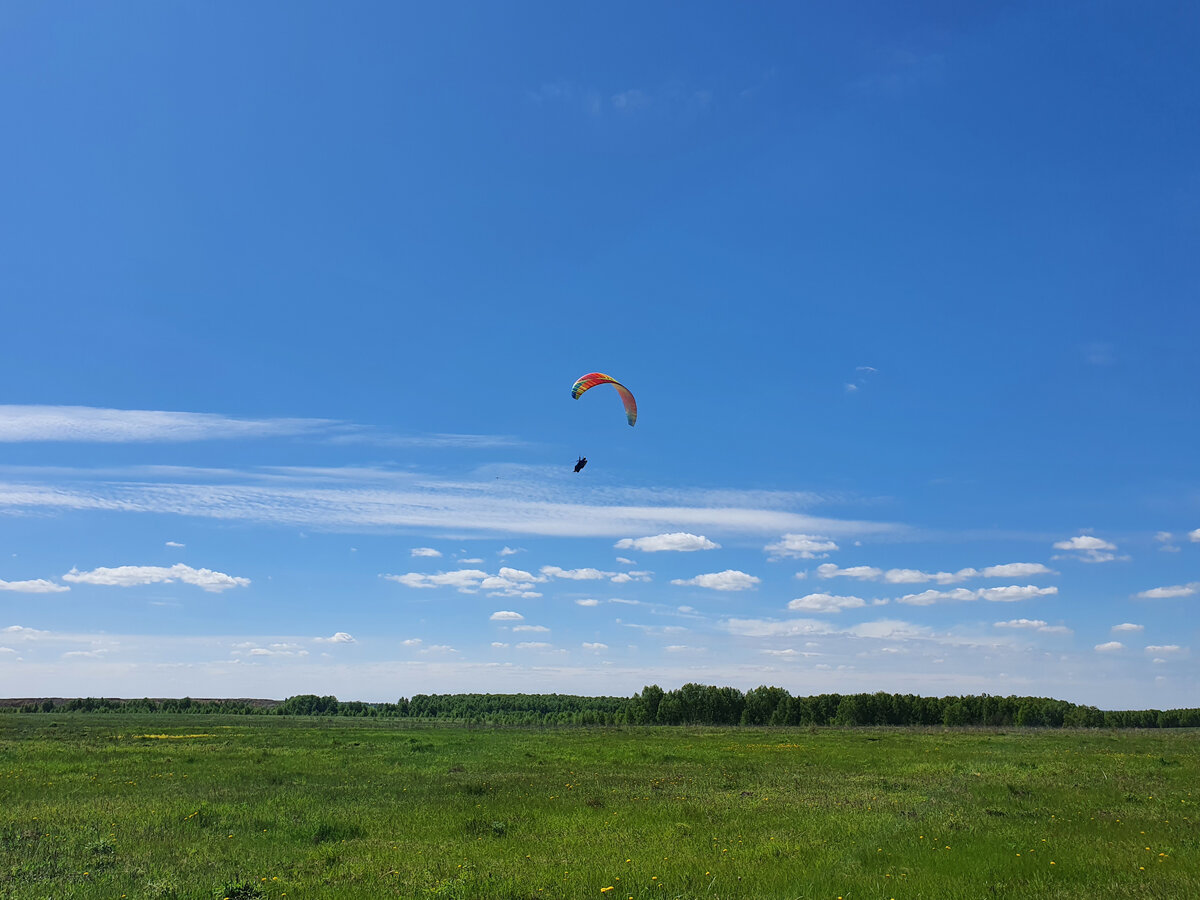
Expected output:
(580, 463)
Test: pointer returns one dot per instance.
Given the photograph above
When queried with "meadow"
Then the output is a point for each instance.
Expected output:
(187, 806)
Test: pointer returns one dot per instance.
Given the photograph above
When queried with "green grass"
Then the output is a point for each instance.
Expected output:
(166, 806)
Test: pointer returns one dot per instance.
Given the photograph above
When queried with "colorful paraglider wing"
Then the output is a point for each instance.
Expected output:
(594, 378)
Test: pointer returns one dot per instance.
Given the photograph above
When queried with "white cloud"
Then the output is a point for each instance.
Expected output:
(1168, 542)
(1016, 570)
(1015, 592)
(626, 577)
(133, 576)
(575, 574)
(917, 576)
(729, 580)
(1164, 648)
(680, 541)
(542, 629)
(509, 551)
(23, 632)
(511, 583)
(339, 637)
(1167, 593)
(367, 499)
(801, 546)
(588, 602)
(534, 645)
(499, 645)
(93, 424)
(36, 586)
(1109, 647)
(594, 646)
(466, 581)
(1021, 623)
(506, 615)
(772, 628)
(412, 642)
(1127, 627)
(425, 551)
(996, 595)
(1088, 548)
(888, 629)
(864, 573)
(825, 603)
(928, 598)
(175, 544)
(1034, 625)
(1194, 536)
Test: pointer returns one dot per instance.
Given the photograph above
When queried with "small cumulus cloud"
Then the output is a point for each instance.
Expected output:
(1127, 627)
(825, 603)
(1038, 625)
(1167, 542)
(466, 581)
(1007, 594)
(175, 544)
(1163, 649)
(412, 642)
(594, 645)
(585, 574)
(1194, 536)
(425, 551)
(589, 601)
(541, 629)
(1109, 647)
(338, 637)
(1169, 593)
(506, 615)
(729, 580)
(1087, 548)
(680, 541)
(134, 576)
(917, 576)
(509, 551)
(534, 645)
(35, 586)
(801, 546)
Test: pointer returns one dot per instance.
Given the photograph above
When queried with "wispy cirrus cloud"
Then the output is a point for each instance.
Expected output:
(99, 425)
(367, 499)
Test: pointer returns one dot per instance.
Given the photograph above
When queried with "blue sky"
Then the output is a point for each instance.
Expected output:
(295, 296)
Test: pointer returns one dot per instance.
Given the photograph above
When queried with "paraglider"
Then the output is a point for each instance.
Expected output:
(589, 381)
(580, 463)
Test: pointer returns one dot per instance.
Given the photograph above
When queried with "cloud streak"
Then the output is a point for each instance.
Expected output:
(355, 499)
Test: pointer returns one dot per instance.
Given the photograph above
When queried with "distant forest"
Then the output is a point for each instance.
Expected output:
(692, 704)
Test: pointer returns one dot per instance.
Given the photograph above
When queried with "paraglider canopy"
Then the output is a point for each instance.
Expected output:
(589, 381)
(580, 463)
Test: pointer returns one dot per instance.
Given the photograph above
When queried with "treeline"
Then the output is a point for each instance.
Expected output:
(692, 704)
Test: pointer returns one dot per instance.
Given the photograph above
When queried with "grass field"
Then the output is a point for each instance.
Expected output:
(164, 806)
